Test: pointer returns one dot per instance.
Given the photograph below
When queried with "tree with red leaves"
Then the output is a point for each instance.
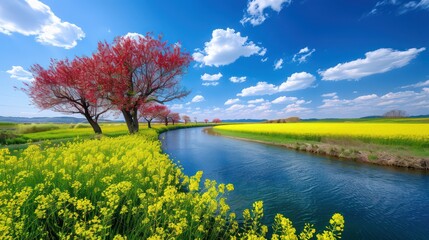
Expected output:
(174, 117)
(216, 120)
(132, 72)
(163, 116)
(206, 120)
(151, 111)
(186, 118)
(67, 87)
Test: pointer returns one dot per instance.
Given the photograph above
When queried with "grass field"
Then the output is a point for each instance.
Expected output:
(121, 188)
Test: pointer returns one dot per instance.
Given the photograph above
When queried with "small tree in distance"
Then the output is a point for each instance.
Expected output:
(174, 117)
(150, 111)
(216, 120)
(186, 118)
(206, 120)
(395, 114)
(163, 116)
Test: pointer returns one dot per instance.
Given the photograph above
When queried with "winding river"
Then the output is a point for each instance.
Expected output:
(377, 202)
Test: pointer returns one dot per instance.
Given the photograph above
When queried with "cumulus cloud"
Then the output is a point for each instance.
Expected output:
(261, 88)
(225, 47)
(255, 10)
(19, 73)
(284, 99)
(297, 107)
(34, 18)
(417, 85)
(297, 81)
(197, 98)
(256, 101)
(372, 104)
(238, 79)
(213, 77)
(232, 101)
(176, 107)
(330, 95)
(278, 64)
(207, 84)
(378, 61)
(235, 107)
(303, 54)
(134, 35)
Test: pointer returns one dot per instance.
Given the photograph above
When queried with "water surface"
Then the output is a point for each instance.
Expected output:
(377, 202)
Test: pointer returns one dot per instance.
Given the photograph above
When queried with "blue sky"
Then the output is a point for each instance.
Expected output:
(252, 58)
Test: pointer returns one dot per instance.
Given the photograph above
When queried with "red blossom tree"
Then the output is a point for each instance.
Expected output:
(68, 87)
(132, 72)
(163, 115)
(151, 111)
(174, 117)
(206, 120)
(216, 120)
(186, 118)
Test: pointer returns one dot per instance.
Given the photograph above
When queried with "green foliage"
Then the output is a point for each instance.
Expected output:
(34, 128)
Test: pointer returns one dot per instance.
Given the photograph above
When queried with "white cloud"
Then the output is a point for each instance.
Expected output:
(134, 35)
(213, 77)
(18, 72)
(330, 95)
(225, 47)
(278, 64)
(197, 98)
(303, 54)
(378, 61)
(32, 17)
(232, 101)
(207, 84)
(235, 107)
(400, 7)
(255, 10)
(176, 107)
(261, 88)
(264, 59)
(417, 85)
(412, 5)
(284, 99)
(297, 107)
(237, 79)
(256, 101)
(372, 104)
(297, 81)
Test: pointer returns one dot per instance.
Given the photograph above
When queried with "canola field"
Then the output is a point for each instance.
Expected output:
(411, 134)
(123, 188)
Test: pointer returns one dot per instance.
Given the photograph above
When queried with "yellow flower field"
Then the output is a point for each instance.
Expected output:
(388, 133)
(122, 188)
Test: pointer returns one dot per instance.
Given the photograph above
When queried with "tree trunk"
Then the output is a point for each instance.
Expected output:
(95, 126)
(166, 121)
(148, 124)
(131, 120)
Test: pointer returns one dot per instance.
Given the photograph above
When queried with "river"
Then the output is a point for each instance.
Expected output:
(376, 202)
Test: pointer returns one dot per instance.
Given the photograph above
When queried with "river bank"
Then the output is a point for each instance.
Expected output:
(347, 149)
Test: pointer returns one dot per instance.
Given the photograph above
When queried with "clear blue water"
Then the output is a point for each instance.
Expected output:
(377, 202)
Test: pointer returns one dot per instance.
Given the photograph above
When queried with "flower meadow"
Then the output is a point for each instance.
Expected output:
(412, 134)
(123, 188)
